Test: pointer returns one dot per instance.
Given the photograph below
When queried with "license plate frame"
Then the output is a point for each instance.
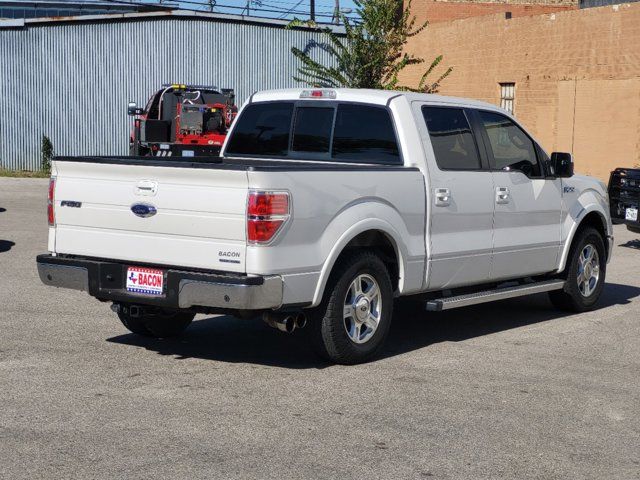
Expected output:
(145, 281)
(631, 214)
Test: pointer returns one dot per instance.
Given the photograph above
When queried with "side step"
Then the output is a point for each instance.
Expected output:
(447, 303)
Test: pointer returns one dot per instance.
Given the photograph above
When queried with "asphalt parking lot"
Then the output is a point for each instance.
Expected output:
(513, 389)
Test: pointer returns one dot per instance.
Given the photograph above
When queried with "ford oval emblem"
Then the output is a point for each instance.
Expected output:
(143, 210)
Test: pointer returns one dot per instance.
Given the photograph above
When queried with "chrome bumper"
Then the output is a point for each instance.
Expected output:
(105, 280)
(237, 297)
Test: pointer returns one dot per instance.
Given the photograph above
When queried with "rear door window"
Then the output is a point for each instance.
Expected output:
(262, 129)
(365, 133)
(451, 138)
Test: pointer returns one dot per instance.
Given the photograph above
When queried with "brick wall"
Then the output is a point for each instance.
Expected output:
(442, 11)
(577, 76)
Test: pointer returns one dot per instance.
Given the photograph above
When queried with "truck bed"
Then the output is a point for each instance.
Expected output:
(231, 163)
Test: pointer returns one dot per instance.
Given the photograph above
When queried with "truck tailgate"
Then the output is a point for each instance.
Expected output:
(199, 220)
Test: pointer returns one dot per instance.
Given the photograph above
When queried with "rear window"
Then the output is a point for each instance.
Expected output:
(263, 129)
(321, 131)
(312, 130)
(451, 138)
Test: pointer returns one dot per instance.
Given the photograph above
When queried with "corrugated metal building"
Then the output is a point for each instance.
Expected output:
(603, 3)
(71, 79)
(66, 8)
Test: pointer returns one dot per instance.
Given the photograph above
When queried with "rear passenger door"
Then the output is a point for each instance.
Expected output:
(527, 230)
(460, 209)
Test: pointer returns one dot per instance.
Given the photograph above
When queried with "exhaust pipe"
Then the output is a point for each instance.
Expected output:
(283, 322)
(301, 320)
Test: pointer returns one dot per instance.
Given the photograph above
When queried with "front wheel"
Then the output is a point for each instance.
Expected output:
(585, 273)
(353, 320)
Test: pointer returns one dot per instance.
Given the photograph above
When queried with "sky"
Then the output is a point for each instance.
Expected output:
(271, 8)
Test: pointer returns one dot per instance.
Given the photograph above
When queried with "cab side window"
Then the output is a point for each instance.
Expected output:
(365, 133)
(453, 143)
(512, 149)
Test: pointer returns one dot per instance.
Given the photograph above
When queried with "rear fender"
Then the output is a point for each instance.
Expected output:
(353, 231)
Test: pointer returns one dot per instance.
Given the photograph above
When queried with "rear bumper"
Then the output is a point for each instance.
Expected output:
(105, 280)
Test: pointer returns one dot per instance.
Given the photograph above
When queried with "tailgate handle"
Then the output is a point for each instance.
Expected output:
(147, 187)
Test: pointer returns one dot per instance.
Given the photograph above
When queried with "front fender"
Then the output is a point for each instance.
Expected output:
(589, 201)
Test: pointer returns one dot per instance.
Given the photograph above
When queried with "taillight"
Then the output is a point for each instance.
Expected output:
(267, 212)
(51, 214)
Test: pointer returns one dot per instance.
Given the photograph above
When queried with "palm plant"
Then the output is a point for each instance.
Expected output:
(371, 53)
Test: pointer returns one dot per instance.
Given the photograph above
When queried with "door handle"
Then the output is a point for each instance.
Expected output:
(443, 197)
(502, 195)
(146, 187)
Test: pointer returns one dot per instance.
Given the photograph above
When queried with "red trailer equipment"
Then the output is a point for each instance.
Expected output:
(182, 120)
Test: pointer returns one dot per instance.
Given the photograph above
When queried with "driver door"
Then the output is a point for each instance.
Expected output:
(527, 205)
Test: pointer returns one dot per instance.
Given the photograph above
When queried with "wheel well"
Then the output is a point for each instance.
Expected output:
(379, 242)
(596, 221)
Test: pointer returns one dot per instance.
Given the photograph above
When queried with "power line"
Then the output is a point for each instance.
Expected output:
(207, 5)
(293, 8)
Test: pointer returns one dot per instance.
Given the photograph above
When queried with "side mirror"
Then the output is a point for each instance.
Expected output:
(133, 109)
(562, 164)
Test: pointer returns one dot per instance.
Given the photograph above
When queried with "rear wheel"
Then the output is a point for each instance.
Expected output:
(585, 273)
(353, 320)
(158, 323)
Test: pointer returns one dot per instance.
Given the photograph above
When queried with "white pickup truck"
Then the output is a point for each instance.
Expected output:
(324, 206)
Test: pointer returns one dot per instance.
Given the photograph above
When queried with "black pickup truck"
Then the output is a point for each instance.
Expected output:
(624, 197)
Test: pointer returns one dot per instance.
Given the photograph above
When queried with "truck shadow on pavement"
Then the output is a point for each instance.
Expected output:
(226, 339)
(5, 245)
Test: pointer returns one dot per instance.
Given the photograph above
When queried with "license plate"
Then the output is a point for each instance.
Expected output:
(145, 280)
(631, 214)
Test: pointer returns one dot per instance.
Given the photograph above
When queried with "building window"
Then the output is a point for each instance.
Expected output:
(507, 96)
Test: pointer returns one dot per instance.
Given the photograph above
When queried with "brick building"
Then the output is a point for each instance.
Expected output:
(571, 77)
(445, 10)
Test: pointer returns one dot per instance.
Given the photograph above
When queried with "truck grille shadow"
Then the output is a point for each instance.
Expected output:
(635, 244)
(6, 245)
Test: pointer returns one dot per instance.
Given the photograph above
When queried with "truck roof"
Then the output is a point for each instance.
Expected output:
(379, 97)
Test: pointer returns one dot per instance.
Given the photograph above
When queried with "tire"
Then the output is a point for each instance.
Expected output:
(158, 324)
(357, 336)
(134, 324)
(633, 229)
(582, 296)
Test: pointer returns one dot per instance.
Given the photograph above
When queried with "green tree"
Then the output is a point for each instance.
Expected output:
(46, 154)
(372, 52)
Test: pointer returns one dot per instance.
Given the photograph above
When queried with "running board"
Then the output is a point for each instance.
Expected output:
(447, 303)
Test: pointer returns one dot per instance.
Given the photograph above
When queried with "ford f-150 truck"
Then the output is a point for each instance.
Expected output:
(324, 206)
